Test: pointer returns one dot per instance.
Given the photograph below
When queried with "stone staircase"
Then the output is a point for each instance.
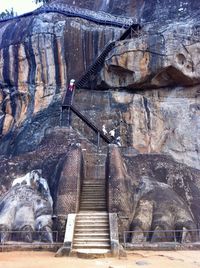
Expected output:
(92, 233)
(93, 196)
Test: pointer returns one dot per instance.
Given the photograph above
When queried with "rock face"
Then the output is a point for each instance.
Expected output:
(156, 60)
(38, 59)
(144, 10)
(152, 121)
(148, 95)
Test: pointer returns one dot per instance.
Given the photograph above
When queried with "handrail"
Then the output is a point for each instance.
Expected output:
(71, 11)
(172, 234)
(90, 124)
(98, 63)
(93, 69)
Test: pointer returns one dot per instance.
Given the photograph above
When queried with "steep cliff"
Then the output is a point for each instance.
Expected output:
(147, 91)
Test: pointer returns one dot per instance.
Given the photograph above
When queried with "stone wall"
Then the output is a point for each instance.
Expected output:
(68, 187)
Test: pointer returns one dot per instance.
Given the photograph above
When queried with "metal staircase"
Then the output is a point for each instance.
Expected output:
(98, 63)
(92, 70)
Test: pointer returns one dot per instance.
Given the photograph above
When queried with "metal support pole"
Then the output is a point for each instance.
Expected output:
(175, 240)
(61, 117)
(68, 116)
(98, 140)
(125, 239)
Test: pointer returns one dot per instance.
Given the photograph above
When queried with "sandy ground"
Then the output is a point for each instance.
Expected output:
(149, 259)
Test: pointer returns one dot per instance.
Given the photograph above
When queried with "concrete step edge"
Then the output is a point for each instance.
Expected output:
(95, 239)
(106, 235)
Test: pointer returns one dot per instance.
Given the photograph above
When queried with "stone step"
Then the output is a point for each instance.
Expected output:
(93, 190)
(93, 217)
(91, 245)
(92, 193)
(91, 239)
(93, 186)
(93, 212)
(96, 194)
(97, 213)
(92, 252)
(93, 229)
(93, 234)
(92, 208)
(93, 205)
(93, 197)
(93, 201)
(92, 222)
(94, 181)
(91, 226)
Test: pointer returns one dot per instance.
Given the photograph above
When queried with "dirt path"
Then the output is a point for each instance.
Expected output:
(149, 259)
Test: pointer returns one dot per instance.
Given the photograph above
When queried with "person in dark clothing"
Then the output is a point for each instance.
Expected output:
(69, 98)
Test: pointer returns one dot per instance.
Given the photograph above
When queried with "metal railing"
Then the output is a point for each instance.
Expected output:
(99, 61)
(99, 133)
(36, 237)
(91, 125)
(161, 236)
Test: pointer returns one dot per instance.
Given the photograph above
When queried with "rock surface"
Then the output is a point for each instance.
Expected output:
(145, 10)
(162, 57)
(38, 57)
(151, 121)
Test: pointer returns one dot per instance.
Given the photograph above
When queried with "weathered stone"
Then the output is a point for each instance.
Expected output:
(33, 70)
(152, 60)
(144, 10)
(25, 208)
(156, 114)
